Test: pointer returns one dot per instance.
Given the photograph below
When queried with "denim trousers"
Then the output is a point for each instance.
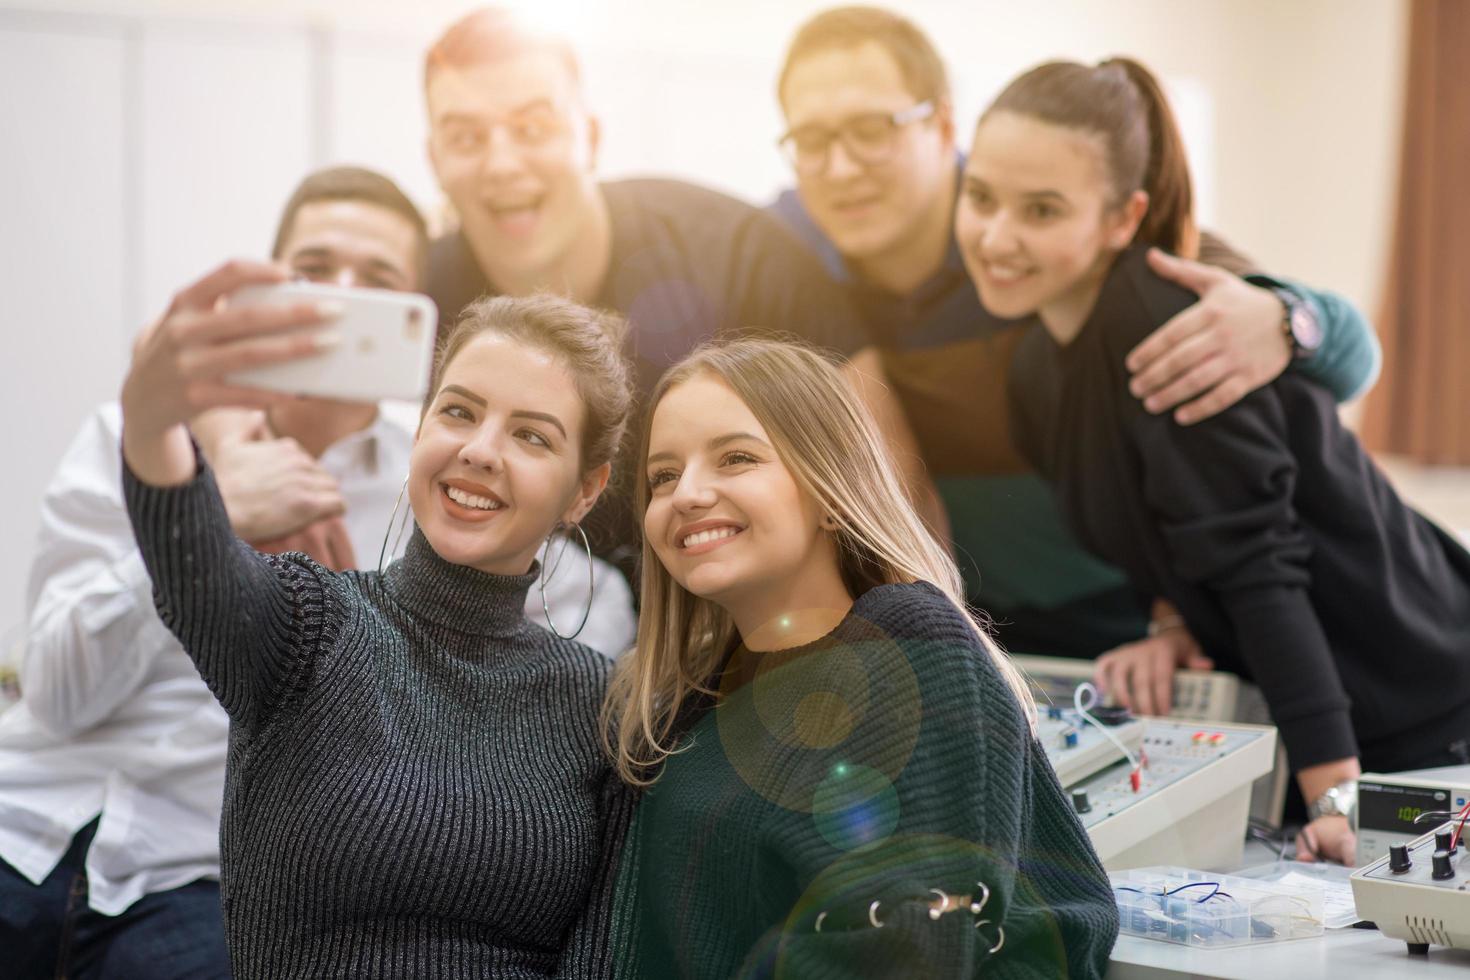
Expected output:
(47, 931)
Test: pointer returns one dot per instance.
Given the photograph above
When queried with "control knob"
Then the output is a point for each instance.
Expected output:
(1398, 859)
(1442, 869)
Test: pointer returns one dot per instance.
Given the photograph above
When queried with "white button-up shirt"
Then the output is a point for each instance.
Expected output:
(114, 719)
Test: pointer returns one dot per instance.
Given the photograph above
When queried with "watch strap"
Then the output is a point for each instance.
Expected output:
(1339, 801)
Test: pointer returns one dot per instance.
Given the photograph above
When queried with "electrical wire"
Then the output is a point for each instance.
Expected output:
(1200, 884)
(1464, 815)
(1268, 834)
(1217, 893)
(1091, 692)
(1451, 816)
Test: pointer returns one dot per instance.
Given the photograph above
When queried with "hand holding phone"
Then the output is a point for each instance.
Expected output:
(384, 343)
(182, 364)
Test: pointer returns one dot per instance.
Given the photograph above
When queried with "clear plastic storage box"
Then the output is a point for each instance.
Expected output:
(1201, 908)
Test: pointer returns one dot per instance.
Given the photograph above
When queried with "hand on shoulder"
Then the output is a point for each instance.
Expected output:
(1211, 355)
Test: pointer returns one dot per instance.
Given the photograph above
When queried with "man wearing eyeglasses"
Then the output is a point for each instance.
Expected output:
(872, 142)
(514, 148)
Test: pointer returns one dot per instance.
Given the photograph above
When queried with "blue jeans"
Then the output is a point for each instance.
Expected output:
(47, 932)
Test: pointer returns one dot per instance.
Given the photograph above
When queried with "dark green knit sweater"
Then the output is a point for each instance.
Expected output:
(415, 786)
(887, 759)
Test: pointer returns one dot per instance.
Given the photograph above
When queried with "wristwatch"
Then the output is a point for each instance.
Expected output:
(1299, 323)
(1339, 801)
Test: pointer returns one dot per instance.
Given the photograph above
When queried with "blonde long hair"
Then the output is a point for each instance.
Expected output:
(828, 441)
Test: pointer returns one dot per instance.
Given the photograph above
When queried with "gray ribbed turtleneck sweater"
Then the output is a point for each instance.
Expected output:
(415, 787)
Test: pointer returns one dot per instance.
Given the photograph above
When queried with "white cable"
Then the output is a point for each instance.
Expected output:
(1091, 693)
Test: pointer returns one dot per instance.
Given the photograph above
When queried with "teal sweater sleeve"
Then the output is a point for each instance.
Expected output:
(1348, 362)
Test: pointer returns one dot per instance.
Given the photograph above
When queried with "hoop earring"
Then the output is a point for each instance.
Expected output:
(402, 525)
(549, 569)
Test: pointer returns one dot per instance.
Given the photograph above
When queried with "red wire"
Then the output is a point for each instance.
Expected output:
(1464, 815)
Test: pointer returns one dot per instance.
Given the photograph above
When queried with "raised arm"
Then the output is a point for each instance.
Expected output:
(245, 618)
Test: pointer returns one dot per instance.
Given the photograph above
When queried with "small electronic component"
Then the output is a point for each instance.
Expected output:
(1200, 908)
(1389, 805)
(1077, 747)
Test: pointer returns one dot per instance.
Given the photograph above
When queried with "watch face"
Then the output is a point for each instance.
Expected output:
(1305, 330)
(1337, 801)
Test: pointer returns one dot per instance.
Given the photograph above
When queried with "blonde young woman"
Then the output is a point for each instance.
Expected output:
(414, 785)
(840, 773)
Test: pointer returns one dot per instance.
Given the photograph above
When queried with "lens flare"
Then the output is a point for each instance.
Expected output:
(815, 730)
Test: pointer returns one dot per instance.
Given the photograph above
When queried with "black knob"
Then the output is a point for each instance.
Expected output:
(1442, 869)
(1398, 859)
(1442, 841)
(1080, 802)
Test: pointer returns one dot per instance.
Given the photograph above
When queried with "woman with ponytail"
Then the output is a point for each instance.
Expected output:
(1289, 555)
(840, 773)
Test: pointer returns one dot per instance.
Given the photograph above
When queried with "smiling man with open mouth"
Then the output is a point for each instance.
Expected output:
(515, 149)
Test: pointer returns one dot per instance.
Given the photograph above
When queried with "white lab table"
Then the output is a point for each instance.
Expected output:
(1338, 954)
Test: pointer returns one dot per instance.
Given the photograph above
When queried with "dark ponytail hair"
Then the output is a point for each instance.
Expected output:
(1122, 102)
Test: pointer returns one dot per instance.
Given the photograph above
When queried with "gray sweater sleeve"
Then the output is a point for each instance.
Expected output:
(246, 619)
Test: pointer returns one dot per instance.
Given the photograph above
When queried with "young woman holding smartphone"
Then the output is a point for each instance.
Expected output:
(415, 786)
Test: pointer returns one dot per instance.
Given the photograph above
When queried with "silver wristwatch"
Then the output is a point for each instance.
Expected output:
(1339, 801)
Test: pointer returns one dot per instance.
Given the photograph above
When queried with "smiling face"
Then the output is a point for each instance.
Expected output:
(1036, 221)
(725, 516)
(869, 210)
(497, 461)
(514, 149)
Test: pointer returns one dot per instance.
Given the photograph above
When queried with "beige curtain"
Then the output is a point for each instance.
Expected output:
(1421, 406)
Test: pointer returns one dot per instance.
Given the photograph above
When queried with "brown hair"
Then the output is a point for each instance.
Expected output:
(352, 184)
(1120, 101)
(490, 34)
(829, 442)
(847, 27)
(588, 341)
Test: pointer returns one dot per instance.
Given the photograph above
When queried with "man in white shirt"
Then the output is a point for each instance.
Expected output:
(112, 763)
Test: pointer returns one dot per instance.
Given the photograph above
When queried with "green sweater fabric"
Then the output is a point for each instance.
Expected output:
(885, 760)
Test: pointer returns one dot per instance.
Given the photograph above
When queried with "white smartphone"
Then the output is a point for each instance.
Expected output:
(387, 347)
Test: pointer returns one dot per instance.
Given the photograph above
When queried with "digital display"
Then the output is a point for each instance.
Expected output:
(1393, 808)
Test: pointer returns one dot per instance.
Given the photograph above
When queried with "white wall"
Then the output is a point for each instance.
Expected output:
(145, 140)
(67, 258)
